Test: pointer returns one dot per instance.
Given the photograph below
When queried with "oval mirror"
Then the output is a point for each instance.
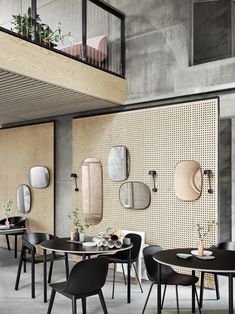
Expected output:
(188, 180)
(39, 177)
(23, 198)
(92, 190)
(134, 195)
(118, 163)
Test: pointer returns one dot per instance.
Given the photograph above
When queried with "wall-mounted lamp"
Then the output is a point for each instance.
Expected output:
(208, 173)
(153, 174)
(74, 175)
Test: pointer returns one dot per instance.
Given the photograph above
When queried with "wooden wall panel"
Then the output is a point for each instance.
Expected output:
(157, 138)
(20, 149)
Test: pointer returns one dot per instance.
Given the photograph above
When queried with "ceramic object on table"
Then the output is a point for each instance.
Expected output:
(200, 248)
(205, 253)
(82, 236)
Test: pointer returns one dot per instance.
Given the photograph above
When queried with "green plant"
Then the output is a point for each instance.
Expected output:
(77, 221)
(7, 208)
(203, 231)
(44, 34)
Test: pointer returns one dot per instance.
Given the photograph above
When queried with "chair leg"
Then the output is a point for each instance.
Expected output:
(145, 304)
(19, 269)
(114, 273)
(163, 297)
(102, 302)
(74, 305)
(137, 278)
(33, 275)
(124, 277)
(24, 258)
(66, 265)
(216, 287)
(177, 298)
(50, 272)
(201, 289)
(52, 298)
(83, 305)
(8, 243)
(15, 245)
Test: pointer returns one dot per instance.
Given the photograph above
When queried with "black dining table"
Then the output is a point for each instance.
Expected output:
(13, 230)
(64, 245)
(224, 262)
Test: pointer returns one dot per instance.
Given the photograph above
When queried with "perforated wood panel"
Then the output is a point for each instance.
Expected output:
(157, 138)
(22, 148)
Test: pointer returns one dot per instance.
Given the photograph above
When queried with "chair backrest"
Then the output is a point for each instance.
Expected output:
(152, 266)
(136, 241)
(15, 220)
(35, 238)
(230, 246)
(87, 276)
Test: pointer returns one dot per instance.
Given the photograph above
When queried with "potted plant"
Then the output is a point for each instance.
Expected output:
(79, 225)
(7, 209)
(43, 35)
(203, 231)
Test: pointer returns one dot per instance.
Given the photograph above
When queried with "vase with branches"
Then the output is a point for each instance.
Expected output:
(7, 208)
(80, 225)
(203, 231)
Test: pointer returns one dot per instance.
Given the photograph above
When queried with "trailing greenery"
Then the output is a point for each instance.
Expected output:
(44, 34)
(77, 221)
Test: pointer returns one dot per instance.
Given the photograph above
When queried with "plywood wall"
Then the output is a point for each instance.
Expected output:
(157, 138)
(20, 149)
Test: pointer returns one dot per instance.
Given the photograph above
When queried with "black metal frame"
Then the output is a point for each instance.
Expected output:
(105, 6)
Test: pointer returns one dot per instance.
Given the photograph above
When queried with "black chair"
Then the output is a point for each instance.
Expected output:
(17, 221)
(86, 279)
(122, 258)
(168, 275)
(230, 246)
(29, 242)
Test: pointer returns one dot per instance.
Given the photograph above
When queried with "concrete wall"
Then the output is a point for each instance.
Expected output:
(158, 52)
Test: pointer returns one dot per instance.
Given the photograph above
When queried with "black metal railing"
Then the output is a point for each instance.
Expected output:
(90, 31)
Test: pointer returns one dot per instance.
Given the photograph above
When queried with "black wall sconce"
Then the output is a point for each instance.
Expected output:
(74, 175)
(153, 174)
(208, 173)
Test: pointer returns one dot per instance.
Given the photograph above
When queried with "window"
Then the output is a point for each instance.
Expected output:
(212, 30)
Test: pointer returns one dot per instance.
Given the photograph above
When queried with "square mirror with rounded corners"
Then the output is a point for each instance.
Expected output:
(118, 163)
(39, 177)
(188, 180)
(134, 195)
(23, 198)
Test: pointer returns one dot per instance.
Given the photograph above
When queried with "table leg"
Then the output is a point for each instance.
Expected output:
(129, 277)
(15, 245)
(45, 274)
(193, 292)
(159, 297)
(230, 293)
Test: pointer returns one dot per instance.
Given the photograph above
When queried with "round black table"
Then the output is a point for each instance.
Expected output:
(64, 245)
(224, 262)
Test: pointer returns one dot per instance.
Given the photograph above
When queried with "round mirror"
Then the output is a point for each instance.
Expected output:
(23, 198)
(118, 163)
(39, 177)
(188, 180)
(134, 195)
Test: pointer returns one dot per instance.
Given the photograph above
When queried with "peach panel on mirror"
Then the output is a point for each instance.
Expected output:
(92, 190)
(188, 180)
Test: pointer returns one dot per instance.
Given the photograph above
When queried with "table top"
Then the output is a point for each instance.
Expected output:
(224, 261)
(62, 245)
(12, 230)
